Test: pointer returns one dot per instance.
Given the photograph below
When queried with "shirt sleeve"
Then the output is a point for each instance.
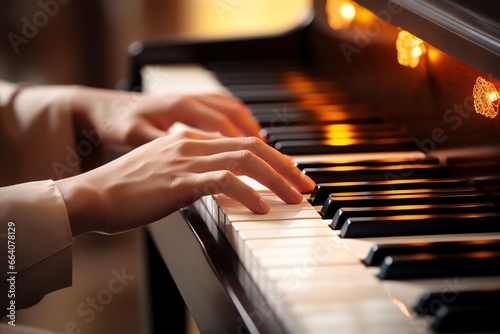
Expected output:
(37, 137)
(36, 238)
(36, 143)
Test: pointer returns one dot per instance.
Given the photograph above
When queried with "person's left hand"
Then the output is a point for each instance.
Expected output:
(133, 118)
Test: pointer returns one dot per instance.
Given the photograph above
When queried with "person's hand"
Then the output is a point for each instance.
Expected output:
(133, 118)
(169, 173)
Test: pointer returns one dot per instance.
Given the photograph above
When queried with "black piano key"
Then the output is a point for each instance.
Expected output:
(283, 118)
(274, 139)
(340, 130)
(368, 227)
(375, 162)
(333, 203)
(316, 128)
(305, 147)
(322, 190)
(345, 213)
(415, 266)
(378, 253)
(404, 192)
(377, 173)
(430, 302)
(254, 96)
(467, 319)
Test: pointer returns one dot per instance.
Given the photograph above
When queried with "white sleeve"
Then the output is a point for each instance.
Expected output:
(40, 239)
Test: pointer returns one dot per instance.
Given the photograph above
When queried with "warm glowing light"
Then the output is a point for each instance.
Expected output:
(347, 11)
(410, 49)
(486, 98)
(493, 97)
(340, 13)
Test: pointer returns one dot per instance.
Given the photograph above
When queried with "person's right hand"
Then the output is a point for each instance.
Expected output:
(169, 173)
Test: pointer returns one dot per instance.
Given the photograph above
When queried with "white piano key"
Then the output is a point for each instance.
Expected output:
(180, 79)
(310, 299)
(266, 259)
(271, 199)
(272, 215)
(275, 206)
(321, 245)
(238, 241)
(236, 227)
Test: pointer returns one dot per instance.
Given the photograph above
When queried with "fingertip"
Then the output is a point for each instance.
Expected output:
(296, 196)
(264, 206)
(308, 182)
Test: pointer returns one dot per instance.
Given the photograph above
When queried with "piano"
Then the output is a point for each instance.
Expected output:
(402, 232)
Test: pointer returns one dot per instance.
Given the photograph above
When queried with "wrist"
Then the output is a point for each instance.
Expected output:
(83, 205)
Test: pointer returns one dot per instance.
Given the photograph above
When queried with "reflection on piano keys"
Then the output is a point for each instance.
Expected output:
(392, 240)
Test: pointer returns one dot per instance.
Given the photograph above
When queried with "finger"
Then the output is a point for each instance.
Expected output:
(246, 163)
(195, 134)
(281, 164)
(236, 111)
(225, 182)
(205, 118)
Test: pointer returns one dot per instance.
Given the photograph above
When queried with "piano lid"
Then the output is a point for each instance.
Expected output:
(466, 30)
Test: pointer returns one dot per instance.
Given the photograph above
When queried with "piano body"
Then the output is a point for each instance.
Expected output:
(402, 233)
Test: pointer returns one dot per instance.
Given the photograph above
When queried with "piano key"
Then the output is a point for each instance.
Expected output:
(344, 146)
(361, 247)
(379, 252)
(413, 266)
(364, 227)
(234, 228)
(322, 246)
(314, 300)
(272, 215)
(243, 236)
(322, 190)
(410, 157)
(265, 96)
(267, 259)
(342, 214)
(274, 139)
(430, 302)
(319, 135)
(279, 118)
(284, 117)
(368, 163)
(377, 173)
(391, 192)
(467, 318)
(325, 128)
(334, 203)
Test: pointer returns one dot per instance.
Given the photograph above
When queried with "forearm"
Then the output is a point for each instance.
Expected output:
(36, 133)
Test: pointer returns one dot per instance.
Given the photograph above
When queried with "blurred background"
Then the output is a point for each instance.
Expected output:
(85, 42)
